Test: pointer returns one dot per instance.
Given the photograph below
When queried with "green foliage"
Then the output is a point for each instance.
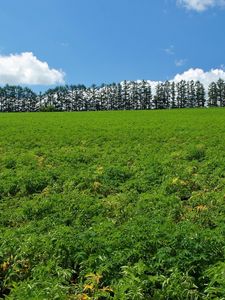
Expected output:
(196, 153)
(112, 205)
(48, 108)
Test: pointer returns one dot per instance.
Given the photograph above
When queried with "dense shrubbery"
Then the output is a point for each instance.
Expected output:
(112, 205)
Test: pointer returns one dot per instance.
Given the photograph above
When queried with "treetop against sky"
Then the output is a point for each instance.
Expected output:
(45, 43)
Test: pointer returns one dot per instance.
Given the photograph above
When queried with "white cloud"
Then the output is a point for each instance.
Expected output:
(170, 50)
(194, 74)
(198, 74)
(180, 62)
(200, 5)
(25, 68)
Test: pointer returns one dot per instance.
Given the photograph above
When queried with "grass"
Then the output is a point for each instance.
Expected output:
(112, 205)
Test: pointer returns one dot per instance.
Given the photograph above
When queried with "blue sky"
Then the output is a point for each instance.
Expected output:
(96, 41)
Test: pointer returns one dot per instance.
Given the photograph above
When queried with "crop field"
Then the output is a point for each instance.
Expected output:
(112, 205)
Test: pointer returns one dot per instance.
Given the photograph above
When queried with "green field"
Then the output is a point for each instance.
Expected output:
(113, 205)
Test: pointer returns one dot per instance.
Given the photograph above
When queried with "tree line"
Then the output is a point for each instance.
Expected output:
(127, 95)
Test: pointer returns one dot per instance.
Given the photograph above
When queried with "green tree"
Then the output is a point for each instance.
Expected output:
(212, 94)
(200, 94)
(221, 92)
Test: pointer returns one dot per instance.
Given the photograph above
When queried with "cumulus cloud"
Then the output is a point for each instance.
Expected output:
(25, 68)
(198, 74)
(200, 5)
(205, 77)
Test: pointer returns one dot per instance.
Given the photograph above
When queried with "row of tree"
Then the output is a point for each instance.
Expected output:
(127, 95)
